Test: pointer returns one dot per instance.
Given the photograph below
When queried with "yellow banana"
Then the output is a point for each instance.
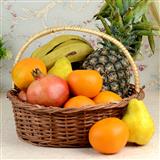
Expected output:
(66, 43)
(73, 51)
(55, 42)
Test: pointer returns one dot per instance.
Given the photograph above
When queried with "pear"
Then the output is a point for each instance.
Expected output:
(139, 121)
(61, 68)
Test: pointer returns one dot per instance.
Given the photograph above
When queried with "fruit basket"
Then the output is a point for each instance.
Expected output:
(66, 127)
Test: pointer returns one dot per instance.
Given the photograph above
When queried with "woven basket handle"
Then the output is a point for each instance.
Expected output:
(97, 33)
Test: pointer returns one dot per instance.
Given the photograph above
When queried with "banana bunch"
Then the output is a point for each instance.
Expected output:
(74, 47)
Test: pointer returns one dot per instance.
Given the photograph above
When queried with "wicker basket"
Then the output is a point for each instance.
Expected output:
(66, 127)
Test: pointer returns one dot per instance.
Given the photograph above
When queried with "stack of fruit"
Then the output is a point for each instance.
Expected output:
(124, 20)
(47, 78)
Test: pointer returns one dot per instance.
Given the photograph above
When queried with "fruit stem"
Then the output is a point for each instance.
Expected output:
(37, 74)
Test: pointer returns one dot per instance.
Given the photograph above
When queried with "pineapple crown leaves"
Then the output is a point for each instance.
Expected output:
(126, 21)
(4, 53)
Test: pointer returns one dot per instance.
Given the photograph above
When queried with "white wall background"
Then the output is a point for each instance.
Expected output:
(20, 19)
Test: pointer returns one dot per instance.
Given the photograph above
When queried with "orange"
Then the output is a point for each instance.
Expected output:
(108, 135)
(106, 97)
(22, 71)
(85, 82)
(79, 101)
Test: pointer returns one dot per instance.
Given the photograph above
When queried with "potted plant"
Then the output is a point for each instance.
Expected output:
(4, 52)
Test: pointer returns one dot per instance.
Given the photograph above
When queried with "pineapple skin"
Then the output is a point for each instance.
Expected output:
(113, 67)
(126, 21)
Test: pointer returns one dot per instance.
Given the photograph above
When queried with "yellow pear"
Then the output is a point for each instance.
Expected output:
(61, 68)
(139, 122)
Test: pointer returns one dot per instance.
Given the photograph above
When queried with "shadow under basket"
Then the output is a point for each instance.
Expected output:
(67, 127)
(62, 127)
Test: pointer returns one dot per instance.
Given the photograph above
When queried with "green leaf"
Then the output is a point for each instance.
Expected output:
(125, 6)
(144, 18)
(103, 8)
(135, 14)
(151, 43)
(112, 9)
(4, 53)
(132, 2)
(128, 17)
(146, 26)
(118, 21)
(3, 50)
(146, 33)
(107, 29)
(150, 37)
(107, 1)
(107, 10)
(140, 9)
(128, 29)
(119, 4)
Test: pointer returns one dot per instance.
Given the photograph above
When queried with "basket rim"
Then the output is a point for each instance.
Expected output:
(51, 109)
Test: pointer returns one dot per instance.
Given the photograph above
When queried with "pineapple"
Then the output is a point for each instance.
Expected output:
(113, 67)
(126, 21)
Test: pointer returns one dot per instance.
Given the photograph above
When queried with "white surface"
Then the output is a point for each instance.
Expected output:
(13, 148)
